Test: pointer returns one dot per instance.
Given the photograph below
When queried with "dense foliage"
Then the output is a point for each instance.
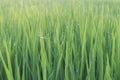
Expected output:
(60, 41)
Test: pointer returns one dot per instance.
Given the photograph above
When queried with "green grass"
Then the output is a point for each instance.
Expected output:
(72, 41)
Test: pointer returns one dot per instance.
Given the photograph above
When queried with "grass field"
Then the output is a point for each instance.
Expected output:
(65, 40)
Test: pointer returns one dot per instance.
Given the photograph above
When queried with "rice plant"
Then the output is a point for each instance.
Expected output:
(59, 40)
